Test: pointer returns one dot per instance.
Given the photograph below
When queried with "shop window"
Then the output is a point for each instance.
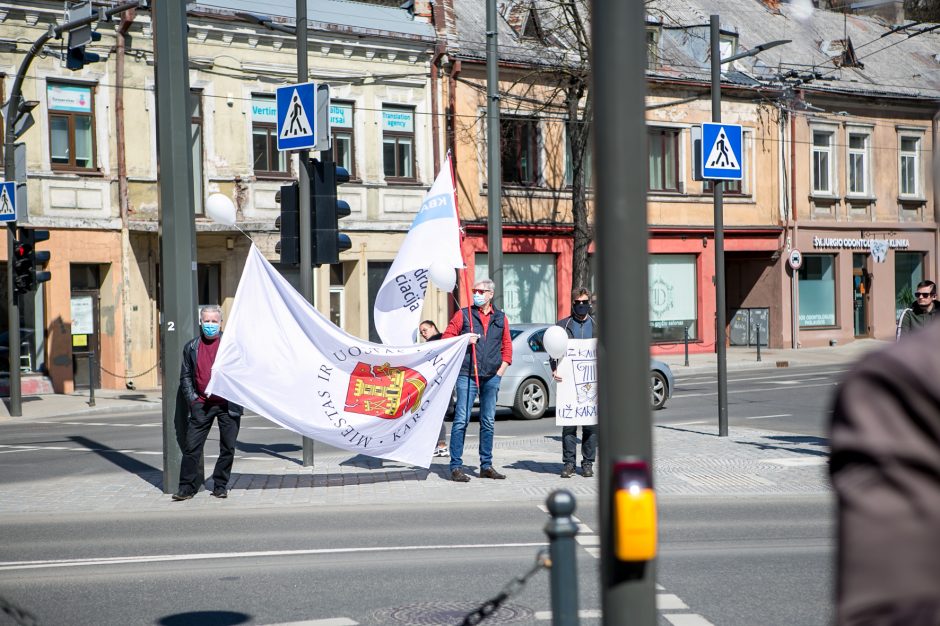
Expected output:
(823, 141)
(817, 281)
(663, 159)
(341, 123)
(267, 160)
(529, 287)
(910, 184)
(858, 160)
(519, 150)
(908, 271)
(673, 294)
(398, 142)
(195, 145)
(71, 127)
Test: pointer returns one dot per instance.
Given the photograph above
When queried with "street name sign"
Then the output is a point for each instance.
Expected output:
(721, 152)
(296, 117)
(8, 202)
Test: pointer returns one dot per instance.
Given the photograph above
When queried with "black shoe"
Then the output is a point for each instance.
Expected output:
(458, 476)
(220, 492)
(568, 471)
(489, 472)
(180, 496)
(587, 470)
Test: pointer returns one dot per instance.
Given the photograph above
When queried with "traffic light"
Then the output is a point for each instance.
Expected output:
(29, 263)
(328, 242)
(289, 224)
(77, 57)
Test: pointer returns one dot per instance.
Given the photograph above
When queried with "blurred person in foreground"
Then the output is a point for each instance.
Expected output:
(885, 468)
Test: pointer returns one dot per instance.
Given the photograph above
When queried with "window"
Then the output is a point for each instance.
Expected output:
(341, 121)
(822, 162)
(265, 156)
(529, 294)
(71, 126)
(208, 283)
(727, 45)
(910, 166)
(908, 271)
(652, 47)
(732, 187)
(398, 141)
(858, 163)
(673, 297)
(337, 297)
(195, 145)
(588, 164)
(817, 282)
(664, 159)
(519, 154)
(375, 275)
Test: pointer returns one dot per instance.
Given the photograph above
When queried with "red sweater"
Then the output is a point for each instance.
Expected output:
(456, 324)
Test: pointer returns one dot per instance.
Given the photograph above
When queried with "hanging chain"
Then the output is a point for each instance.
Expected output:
(21, 617)
(542, 561)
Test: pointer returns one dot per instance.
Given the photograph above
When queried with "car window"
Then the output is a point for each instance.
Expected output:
(514, 332)
(535, 341)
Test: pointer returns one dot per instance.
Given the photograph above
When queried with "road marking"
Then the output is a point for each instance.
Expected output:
(687, 619)
(684, 423)
(211, 556)
(799, 461)
(764, 417)
(588, 540)
(332, 621)
(544, 616)
(670, 602)
(715, 393)
(785, 382)
(753, 378)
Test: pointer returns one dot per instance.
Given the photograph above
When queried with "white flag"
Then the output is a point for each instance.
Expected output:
(282, 359)
(434, 237)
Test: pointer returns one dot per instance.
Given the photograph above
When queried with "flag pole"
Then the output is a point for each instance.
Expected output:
(473, 346)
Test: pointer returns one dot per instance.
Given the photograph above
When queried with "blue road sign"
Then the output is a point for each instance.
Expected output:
(722, 157)
(8, 202)
(296, 117)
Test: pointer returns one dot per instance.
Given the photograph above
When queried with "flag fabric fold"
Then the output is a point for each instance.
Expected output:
(284, 360)
(434, 237)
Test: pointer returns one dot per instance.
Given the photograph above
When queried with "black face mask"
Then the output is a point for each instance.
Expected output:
(581, 309)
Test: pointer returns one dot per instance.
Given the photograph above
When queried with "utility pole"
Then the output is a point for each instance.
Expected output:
(628, 588)
(303, 180)
(177, 222)
(718, 200)
(494, 226)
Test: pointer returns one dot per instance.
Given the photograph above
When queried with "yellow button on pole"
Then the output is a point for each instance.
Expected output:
(634, 511)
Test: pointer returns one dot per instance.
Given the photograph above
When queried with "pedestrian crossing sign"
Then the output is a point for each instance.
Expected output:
(721, 152)
(296, 117)
(8, 202)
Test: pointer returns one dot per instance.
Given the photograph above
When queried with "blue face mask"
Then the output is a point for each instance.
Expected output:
(479, 299)
(210, 329)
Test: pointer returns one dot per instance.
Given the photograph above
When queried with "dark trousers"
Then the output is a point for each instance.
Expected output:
(569, 443)
(198, 426)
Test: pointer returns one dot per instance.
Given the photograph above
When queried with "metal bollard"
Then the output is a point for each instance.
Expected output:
(91, 378)
(758, 343)
(561, 530)
(685, 340)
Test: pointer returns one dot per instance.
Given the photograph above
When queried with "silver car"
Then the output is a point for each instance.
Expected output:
(529, 389)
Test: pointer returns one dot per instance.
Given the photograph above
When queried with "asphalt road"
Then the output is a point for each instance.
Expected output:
(750, 561)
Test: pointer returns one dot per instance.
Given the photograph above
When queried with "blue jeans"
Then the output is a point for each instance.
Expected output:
(466, 394)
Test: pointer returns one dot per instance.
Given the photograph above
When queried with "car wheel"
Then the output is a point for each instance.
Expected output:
(531, 399)
(659, 391)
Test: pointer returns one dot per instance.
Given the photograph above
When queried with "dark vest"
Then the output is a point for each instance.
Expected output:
(489, 347)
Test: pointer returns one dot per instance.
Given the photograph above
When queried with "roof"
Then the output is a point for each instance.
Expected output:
(331, 15)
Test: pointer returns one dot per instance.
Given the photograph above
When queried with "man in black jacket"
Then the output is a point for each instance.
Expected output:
(198, 357)
(579, 325)
(922, 310)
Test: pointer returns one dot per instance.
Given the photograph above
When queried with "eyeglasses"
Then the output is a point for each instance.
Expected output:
(924, 294)
(481, 291)
(582, 302)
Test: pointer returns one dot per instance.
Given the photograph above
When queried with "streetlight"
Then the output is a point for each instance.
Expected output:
(717, 190)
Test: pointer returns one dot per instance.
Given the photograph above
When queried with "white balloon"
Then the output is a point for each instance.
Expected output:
(442, 276)
(555, 341)
(221, 209)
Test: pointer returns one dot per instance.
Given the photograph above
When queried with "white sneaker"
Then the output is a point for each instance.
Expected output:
(442, 452)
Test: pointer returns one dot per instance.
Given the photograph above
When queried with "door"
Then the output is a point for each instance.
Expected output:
(85, 325)
(861, 293)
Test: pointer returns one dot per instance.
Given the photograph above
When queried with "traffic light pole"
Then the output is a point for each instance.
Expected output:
(494, 226)
(303, 179)
(619, 65)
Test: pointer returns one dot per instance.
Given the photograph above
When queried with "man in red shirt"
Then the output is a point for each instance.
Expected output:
(487, 358)
(198, 357)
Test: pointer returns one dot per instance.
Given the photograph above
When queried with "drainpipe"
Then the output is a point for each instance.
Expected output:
(455, 69)
(435, 124)
(934, 132)
(795, 294)
(126, 20)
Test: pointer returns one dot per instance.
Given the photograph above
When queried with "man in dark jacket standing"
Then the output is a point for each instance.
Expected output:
(487, 359)
(921, 311)
(198, 357)
(579, 325)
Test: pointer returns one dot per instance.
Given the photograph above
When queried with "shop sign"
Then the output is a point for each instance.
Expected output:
(858, 244)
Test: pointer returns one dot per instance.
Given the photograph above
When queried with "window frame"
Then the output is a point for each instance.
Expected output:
(397, 136)
(865, 152)
(662, 131)
(831, 168)
(918, 193)
(337, 131)
(197, 118)
(533, 144)
(70, 167)
(270, 130)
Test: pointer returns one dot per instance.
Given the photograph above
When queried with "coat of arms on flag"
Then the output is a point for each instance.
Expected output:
(384, 391)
